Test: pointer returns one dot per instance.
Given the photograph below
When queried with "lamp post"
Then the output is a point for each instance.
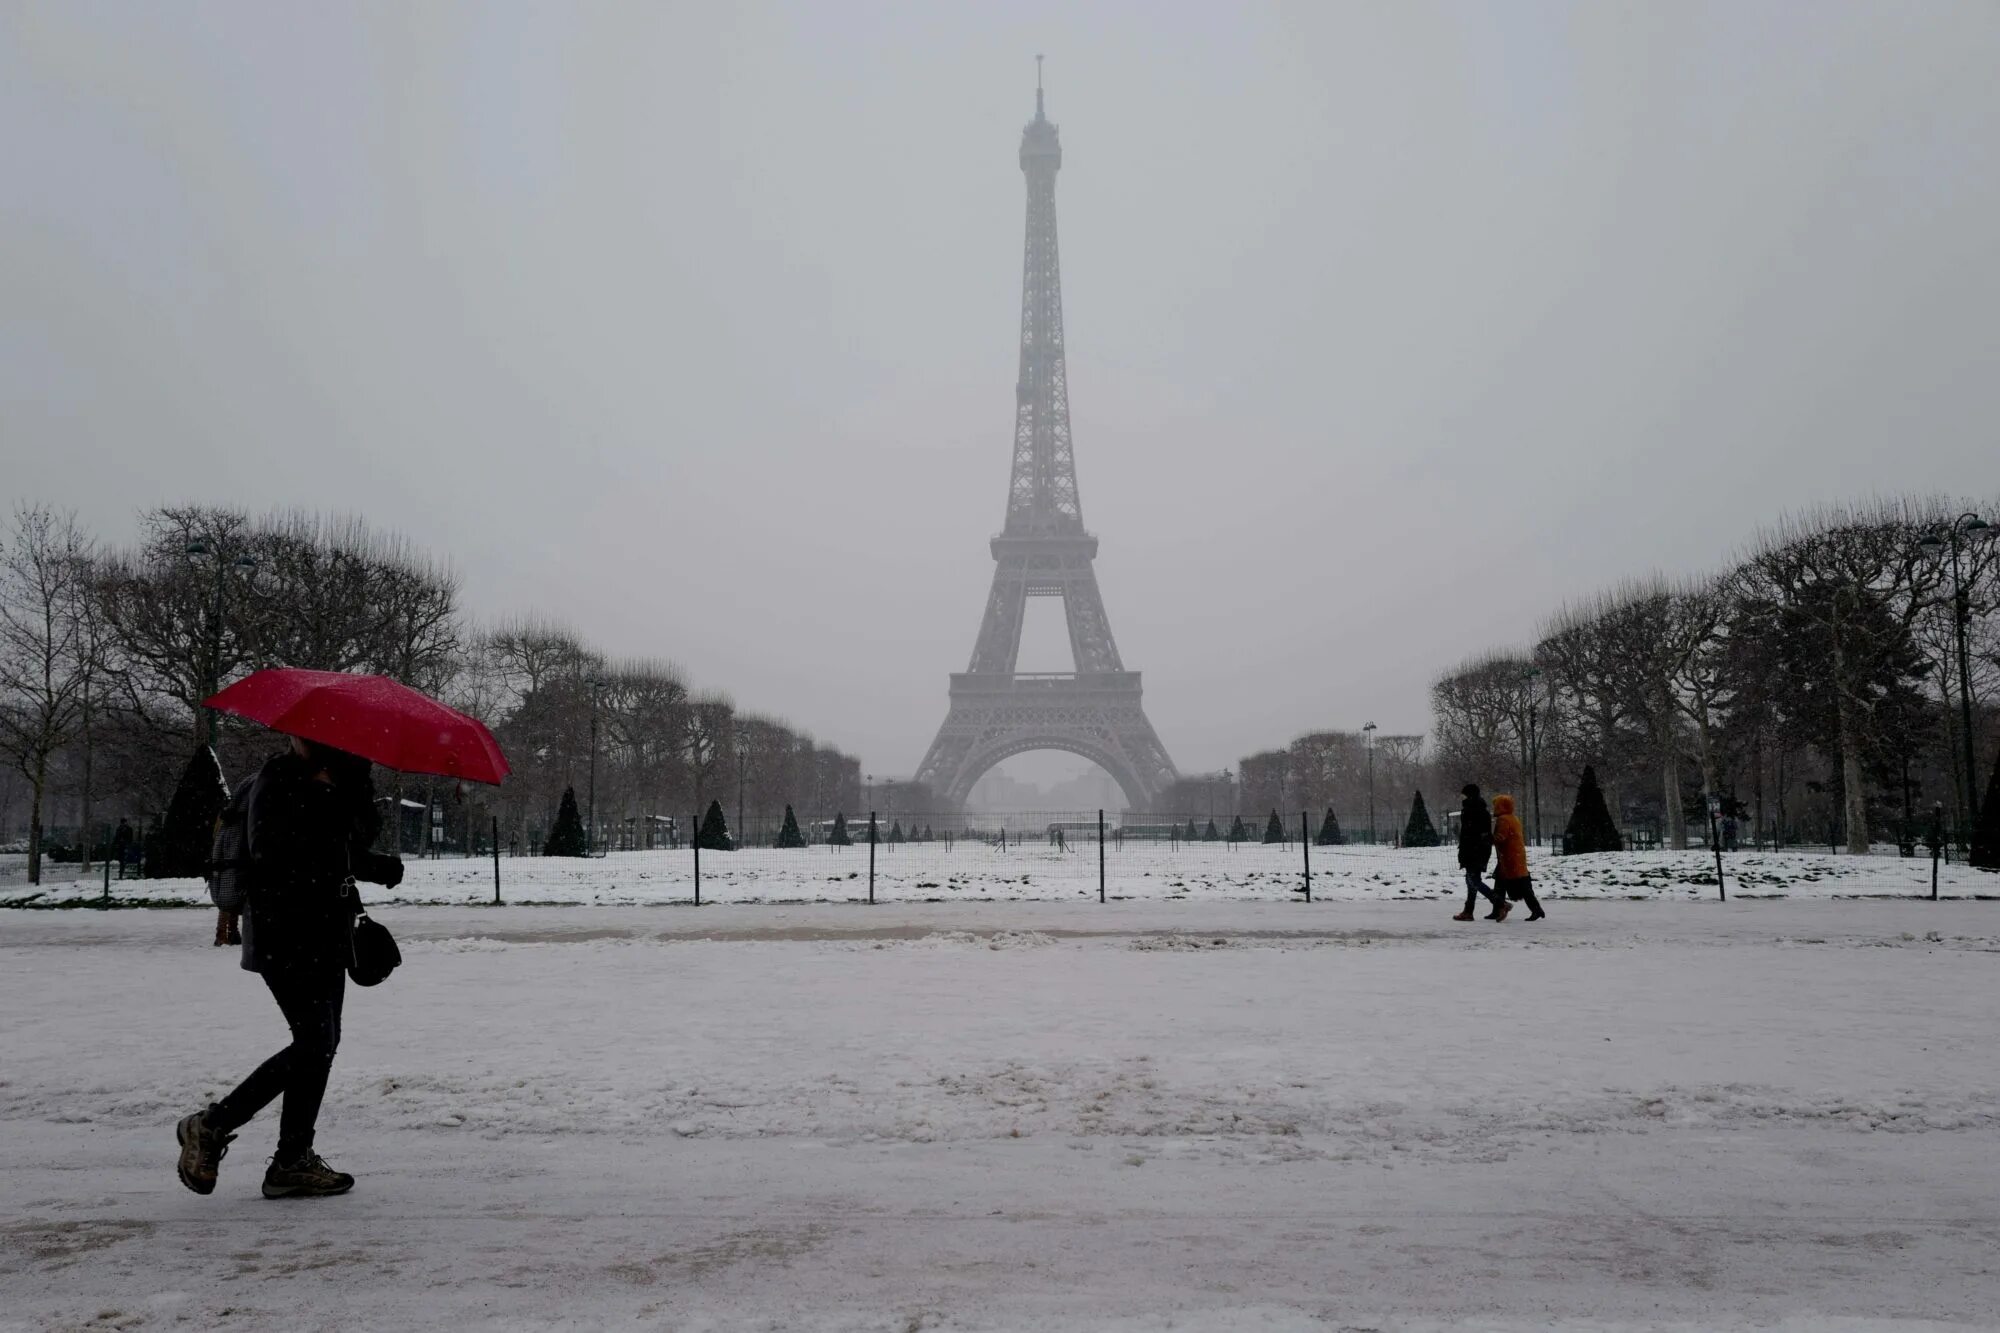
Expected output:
(1369, 732)
(742, 761)
(590, 834)
(1528, 678)
(222, 567)
(1966, 528)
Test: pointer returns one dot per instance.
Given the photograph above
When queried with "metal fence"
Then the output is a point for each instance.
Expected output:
(945, 857)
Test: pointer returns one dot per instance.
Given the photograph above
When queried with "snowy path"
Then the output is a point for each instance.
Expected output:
(1050, 1116)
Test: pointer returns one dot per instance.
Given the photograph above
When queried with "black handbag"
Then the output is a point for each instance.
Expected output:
(374, 953)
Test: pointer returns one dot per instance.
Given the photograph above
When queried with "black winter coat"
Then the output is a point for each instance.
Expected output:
(1475, 834)
(307, 838)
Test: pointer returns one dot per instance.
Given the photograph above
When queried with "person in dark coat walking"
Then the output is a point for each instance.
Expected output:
(311, 824)
(1475, 848)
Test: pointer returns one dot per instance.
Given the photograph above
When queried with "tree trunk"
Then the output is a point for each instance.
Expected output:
(1757, 781)
(1670, 777)
(1855, 798)
(86, 776)
(37, 784)
(1709, 786)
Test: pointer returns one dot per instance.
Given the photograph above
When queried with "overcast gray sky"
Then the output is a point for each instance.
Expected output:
(1391, 325)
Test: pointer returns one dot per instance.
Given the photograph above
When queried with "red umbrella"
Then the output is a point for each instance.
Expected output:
(372, 716)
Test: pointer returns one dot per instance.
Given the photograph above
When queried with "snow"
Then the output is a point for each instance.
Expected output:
(1136, 871)
(1057, 1116)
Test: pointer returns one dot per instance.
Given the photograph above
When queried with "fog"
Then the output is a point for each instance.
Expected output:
(1390, 327)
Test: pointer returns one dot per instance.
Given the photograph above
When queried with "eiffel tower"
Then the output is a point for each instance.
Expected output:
(1044, 551)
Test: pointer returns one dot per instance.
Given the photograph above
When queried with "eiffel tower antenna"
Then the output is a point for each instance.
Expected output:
(1043, 550)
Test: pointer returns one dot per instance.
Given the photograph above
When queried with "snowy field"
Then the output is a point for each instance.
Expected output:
(970, 872)
(1035, 1115)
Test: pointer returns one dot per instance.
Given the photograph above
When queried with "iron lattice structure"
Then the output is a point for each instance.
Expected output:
(1044, 551)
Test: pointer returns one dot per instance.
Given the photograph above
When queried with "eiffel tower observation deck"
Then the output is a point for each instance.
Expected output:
(1043, 550)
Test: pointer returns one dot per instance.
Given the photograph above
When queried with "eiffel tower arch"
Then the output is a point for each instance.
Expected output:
(1043, 551)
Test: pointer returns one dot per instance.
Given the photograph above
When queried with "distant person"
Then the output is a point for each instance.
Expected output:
(1475, 848)
(311, 824)
(121, 844)
(1510, 866)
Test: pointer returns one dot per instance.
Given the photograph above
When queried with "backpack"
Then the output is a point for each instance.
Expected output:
(229, 852)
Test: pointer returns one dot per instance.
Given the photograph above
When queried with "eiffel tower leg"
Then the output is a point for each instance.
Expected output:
(999, 645)
(1089, 628)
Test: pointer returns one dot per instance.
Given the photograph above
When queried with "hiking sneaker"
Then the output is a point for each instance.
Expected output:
(202, 1151)
(1462, 916)
(308, 1178)
(1499, 912)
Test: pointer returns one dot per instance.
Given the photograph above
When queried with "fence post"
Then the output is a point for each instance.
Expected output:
(496, 860)
(871, 858)
(697, 863)
(1306, 845)
(107, 871)
(1100, 856)
(1937, 850)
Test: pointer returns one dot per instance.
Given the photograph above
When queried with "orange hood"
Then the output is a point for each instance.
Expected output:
(1503, 805)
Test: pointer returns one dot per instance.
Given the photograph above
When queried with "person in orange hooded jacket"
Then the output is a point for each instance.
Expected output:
(1510, 870)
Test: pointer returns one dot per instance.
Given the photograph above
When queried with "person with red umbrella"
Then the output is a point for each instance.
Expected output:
(310, 826)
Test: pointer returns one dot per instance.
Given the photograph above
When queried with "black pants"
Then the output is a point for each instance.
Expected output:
(1521, 891)
(1475, 889)
(310, 999)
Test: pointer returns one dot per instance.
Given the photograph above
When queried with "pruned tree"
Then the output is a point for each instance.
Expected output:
(714, 835)
(1418, 831)
(1986, 829)
(1274, 829)
(567, 837)
(179, 847)
(839, 836)
(1329, 830)
(788, 834)
(1591, 828)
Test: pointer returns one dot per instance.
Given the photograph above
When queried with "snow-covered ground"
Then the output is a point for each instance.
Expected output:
(1209, 1114)
(932, 872)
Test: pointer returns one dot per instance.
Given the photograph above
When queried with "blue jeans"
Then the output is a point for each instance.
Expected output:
(1475, 889)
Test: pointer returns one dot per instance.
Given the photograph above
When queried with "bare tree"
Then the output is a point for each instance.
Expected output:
(47, 655)
(1850, 584)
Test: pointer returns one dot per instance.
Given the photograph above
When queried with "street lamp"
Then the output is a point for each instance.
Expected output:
(1369, 732)
(222, 567)
(590, 834)
(1964, 529)
(742, 761)
(1528, 678)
